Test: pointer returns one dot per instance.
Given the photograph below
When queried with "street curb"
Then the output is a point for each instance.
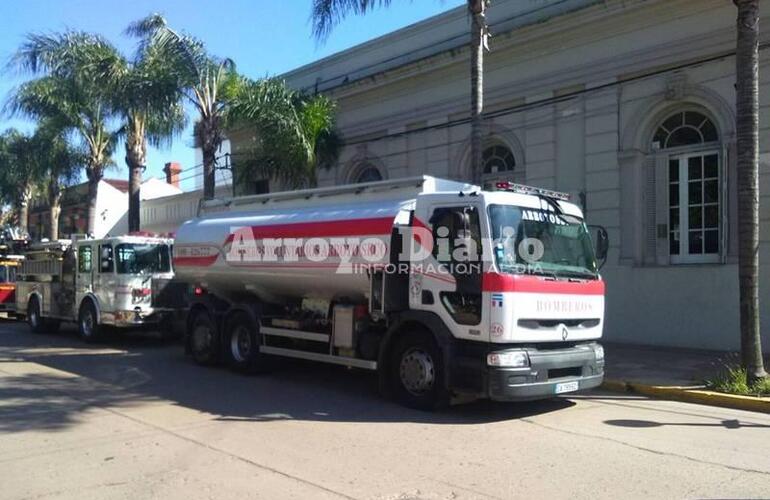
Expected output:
(688, 395)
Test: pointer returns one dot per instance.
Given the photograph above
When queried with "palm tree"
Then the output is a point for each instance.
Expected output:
(747, 131)
(148, 97)
(294, 133)
(75, 89)
(21, 173)
(61, 164)
(327, 13)
(203, 80)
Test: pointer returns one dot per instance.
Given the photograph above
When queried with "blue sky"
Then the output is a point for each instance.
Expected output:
(260, 43)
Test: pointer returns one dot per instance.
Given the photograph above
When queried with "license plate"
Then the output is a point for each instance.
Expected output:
(566, 387)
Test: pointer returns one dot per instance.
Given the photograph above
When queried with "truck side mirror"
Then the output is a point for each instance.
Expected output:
(601, 241)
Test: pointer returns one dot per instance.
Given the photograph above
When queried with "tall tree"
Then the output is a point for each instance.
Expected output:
(75, 88)
(61, 164)
(294, 133)
(747, 131)
(147, 95)
(328, 13)
(21, 173)
(205, 82)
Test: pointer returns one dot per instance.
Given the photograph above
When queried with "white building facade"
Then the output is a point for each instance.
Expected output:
(629, 105)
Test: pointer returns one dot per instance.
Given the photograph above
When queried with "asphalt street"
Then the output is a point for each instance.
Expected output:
(134, 418)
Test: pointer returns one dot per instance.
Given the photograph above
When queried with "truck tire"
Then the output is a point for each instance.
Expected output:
(88, 323)
(202, 341)
(417, 375)
(34, 319)
(241, 345)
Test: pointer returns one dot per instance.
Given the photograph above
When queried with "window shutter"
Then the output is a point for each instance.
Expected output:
(661, 210)
(650, 239)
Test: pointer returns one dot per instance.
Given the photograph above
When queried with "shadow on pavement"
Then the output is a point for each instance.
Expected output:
(129, 371)
(641, 424)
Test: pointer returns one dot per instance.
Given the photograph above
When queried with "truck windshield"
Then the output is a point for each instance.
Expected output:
(541, 241)
(4, 274)
(134, 258)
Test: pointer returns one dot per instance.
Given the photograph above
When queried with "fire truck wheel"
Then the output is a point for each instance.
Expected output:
(417, 372)
(34, 319)
(241, 346)
(202, 340)
(88, 325)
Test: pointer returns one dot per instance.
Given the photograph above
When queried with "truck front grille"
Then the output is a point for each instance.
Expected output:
(565, 372)
(534, 324)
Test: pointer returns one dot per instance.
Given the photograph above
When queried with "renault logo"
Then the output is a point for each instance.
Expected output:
(564, 332)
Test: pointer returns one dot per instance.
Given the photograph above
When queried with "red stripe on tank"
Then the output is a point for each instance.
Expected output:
(323, 229)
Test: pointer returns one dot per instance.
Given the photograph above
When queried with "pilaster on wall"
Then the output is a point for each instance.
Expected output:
(602, 181)
(540, 145)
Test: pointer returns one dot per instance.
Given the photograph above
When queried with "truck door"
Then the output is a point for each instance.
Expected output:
(450, 282)
(84, 283)
(105, 281)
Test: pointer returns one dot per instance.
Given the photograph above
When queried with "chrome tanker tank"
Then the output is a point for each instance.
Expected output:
(318, 243)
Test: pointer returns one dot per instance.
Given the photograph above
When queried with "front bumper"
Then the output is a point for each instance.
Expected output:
(569, 367)
(550, 371)
(137, 318)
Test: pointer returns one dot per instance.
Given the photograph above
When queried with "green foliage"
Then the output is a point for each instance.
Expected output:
(732, 380)
(294, 133)
(326, 14)
(76, 88)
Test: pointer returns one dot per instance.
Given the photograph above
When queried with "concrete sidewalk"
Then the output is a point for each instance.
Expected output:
(662, 365)
(671, 373)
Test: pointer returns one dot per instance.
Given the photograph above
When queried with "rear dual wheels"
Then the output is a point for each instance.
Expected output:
(417, 376)
(241, 346)
(238, 345)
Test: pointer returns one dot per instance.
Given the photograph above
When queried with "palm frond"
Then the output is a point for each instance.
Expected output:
(326, 14)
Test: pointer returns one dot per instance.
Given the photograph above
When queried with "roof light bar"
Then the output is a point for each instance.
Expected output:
(522, 189)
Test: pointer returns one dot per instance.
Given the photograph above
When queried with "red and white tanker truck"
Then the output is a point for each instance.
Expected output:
(444, 289)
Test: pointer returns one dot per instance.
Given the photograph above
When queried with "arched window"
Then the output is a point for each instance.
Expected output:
(694, 186)
(369, 173)
(498, 159)
(684, 128)
(498, 163)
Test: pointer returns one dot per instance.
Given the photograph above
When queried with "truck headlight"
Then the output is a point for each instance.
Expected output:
(599, 353)
(513, 359)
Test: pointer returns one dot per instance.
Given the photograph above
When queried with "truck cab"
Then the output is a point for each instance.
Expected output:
(9, 264)
(525, 283)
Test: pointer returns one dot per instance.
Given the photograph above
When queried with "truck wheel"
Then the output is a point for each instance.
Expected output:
(242, 341)
(417, 372)
(202, 340)
(34, 319)
(88, 324)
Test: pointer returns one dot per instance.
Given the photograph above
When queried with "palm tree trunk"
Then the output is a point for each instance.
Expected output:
(136, 157)
(94, 174)
(24, 200)
(209, 139)
(477, 10)
(54, 202)
(747, 127)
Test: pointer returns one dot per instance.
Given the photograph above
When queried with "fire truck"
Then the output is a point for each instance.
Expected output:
(9, 264)
(96, 283)
(446, 290)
